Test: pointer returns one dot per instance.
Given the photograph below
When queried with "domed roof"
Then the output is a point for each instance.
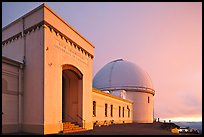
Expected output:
(122, 75)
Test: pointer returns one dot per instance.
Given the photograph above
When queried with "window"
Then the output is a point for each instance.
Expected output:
(128, 111)
(94, 108)
(123, 111)
(148, 99)
(111, 111)
(119, 111)
(106, 107)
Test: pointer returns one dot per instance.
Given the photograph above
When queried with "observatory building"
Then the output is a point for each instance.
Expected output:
(47, 83)
(128, 81)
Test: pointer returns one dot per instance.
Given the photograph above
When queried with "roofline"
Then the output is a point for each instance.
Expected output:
(46, 6)
(110, 95)
(21, 17)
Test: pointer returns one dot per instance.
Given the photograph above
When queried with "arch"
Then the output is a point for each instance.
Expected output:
(74, 69)
(72, 94)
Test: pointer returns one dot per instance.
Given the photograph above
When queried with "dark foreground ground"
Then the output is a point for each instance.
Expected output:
(124, 129)
(127, 129)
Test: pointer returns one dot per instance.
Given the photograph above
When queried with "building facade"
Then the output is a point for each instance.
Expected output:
(57, 64)
(110, 109)
(47, 79)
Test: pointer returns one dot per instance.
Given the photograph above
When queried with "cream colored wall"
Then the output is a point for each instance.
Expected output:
(14, 49)
(58, 52)
(10, 116)
(101, 99)
(13, 43)
(142, 110)
(33, 85)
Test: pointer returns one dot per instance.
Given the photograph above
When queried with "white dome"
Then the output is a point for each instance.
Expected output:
(122, 75)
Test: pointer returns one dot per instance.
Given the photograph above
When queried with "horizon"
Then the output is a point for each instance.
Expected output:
(182, 119)
(167, 120)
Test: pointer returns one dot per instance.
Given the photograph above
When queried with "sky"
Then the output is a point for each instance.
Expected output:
(165, 39)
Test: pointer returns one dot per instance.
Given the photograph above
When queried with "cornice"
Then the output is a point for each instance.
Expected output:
(46, 25)
(66, 39)
(23, 33)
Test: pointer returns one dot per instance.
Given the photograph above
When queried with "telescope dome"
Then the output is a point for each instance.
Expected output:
(122, 75)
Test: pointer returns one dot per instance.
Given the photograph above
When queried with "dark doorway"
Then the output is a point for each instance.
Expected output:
(72, 87)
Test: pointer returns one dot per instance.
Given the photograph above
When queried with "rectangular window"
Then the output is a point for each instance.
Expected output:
(119, 111)
(94, 108)
(111, 111)
(106, 107)
(123, 111)
(148, 99)
(128, 111)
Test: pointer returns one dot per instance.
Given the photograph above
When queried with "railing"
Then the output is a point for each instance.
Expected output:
(82, 120)
(83, 125)
(72, 118)
(135, 88)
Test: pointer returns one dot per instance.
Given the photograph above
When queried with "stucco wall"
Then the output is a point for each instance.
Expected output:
(33, 77)
(101, 99)
(10, 83)
(142, 110)
(14, 49)
(58, 51)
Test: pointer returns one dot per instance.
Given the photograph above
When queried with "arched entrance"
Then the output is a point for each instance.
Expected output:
(72, 87)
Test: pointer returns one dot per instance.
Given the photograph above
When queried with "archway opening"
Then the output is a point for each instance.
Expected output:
(72, 91)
